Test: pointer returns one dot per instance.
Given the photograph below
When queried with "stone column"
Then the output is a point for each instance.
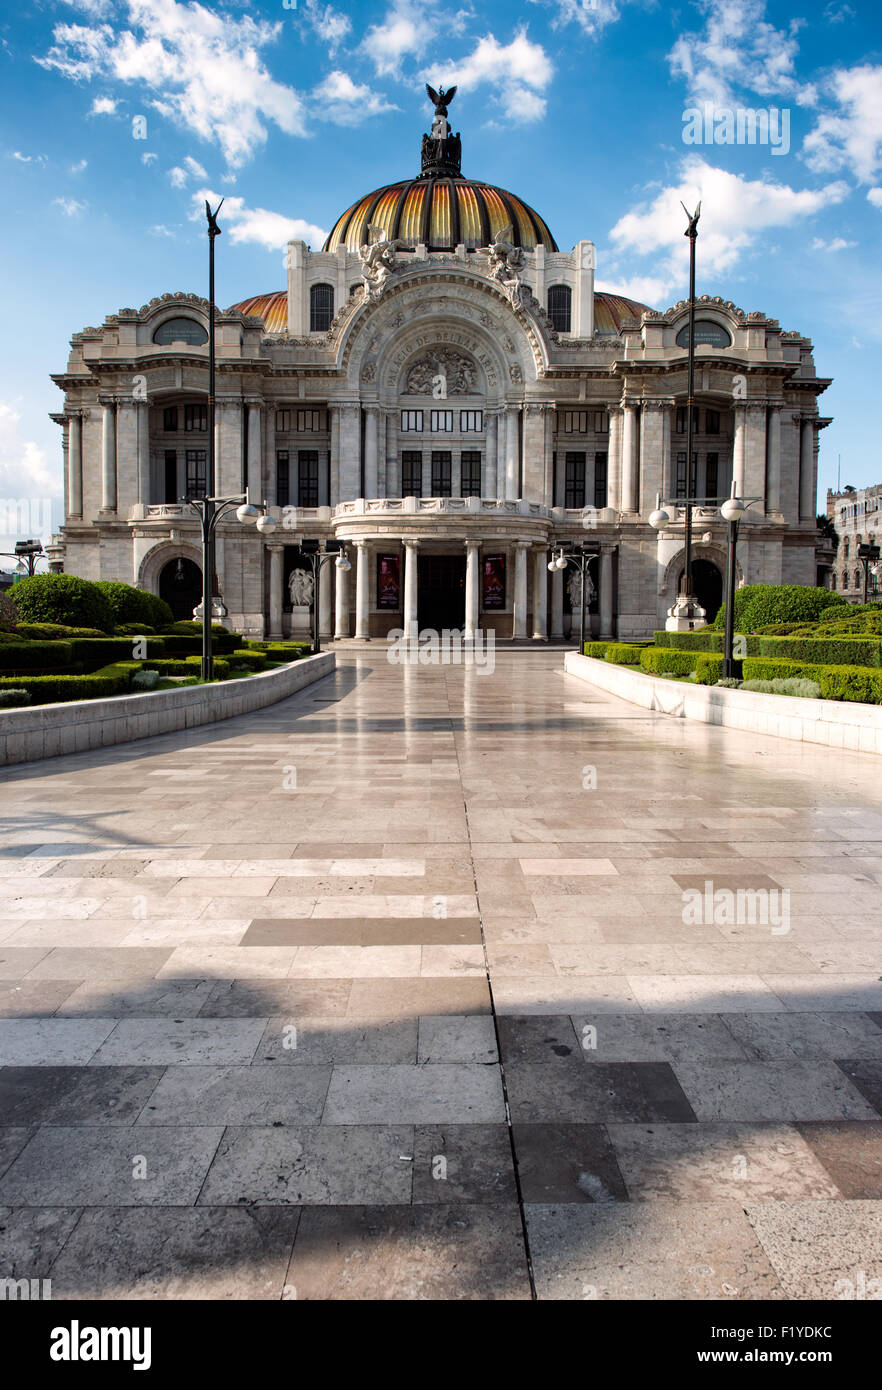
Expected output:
(548, 490)
(411, 621)
(755, 455)
(276, 583)
(512, 453)
(667, 486)
(629, 458)
(269, 454)
(614, 462)
(350, 453)
(739, 448)
(773, 460)
(500, 455)
(341, 627)
(108, 454)
(324, 598)
(370, 451)
(519, 617)
(393, 473)
(362, 592)
(557, 607)
(472, 601)
(540, 596)
(488, 482)
(606, 591)
(255, 460)
(807, 489)
(334, 470)
(75, 465)
(534, 452)
(142, 411)
(652, 457)
(228, 448)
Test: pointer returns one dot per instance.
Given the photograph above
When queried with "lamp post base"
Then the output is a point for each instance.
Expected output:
(218, 611)
(686, 615)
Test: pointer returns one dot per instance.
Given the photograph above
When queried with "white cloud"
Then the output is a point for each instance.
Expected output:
(191, 169)
(205, 69)
(80, 165)
(851, 137)
(511, 68)
(25, 473)
(738, 49)
(160, 230)
(406, 30)
(270, 229)
(30, 158)
(148, 157)
(737, 214)
(330, 25)
(71, 207)
(646, 289)
(344, 102)
(836, 244)
(102, 106)
(592, 16)
(874, 196)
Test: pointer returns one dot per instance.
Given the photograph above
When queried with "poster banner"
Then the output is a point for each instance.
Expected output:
(389, 582)
(493, 582)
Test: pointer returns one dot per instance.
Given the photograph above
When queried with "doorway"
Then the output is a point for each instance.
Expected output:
(708, 583)
(441, 591)
(180, 584)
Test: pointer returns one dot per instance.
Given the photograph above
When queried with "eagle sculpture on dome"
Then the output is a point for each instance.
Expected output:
(441, 98)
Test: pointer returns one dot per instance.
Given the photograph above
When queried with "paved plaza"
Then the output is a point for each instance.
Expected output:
(270, 991)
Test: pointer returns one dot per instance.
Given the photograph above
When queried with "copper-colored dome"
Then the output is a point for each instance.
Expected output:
(442, 212)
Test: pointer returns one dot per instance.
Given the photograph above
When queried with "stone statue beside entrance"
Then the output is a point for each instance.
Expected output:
(300, 588)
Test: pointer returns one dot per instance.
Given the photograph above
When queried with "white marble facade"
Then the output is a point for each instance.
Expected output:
(542, 435)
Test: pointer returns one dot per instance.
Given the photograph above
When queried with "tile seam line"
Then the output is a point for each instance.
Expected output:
(525, 1235)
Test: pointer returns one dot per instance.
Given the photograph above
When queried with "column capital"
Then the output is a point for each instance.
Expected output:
(106, 399)
(412, 542)
(473, 541)
(656, 404)
(538, 407)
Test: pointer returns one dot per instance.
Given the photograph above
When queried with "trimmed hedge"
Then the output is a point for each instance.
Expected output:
(285, 651)
(863, 684)
(13, 696)
(623, 653)
(767, 668)
(705, 639)
(50, 690)
(63, 598)
(709, 668)
(31, 656)
(834, 651)
(658, 661)
(805, 690)
(131, 605)
(189, 666)
(596, 649)
(757, 605)
(52, 632)
(255, 661)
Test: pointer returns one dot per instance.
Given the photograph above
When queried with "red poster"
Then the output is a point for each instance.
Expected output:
(493, 582)
(389, 582)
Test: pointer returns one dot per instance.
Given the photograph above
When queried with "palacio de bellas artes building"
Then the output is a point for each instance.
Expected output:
(441, 388)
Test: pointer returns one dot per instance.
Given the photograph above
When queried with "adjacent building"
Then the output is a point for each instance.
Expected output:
(856, 515)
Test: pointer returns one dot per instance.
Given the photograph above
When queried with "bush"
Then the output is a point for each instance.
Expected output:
(596, 649)
(292, 651)
(63, 598)
(705, 639)
(131, 605)
(758, 605)
(189, 666)
(254, 661)
(663, 662)
(808, 690)
(8, 613)
(52, 632)
(767, 668)
(729, 683)
(134, 630)
(623, 653)
(145, 680)
(47, 690)
(863, 684)
(10, 697)
(31, 656)
(709, 667)
(836, 651)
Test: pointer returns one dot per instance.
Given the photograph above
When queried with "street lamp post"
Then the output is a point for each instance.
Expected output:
(733, 510)
(317, 557)
(579, 557)
(208, 505)
(686, 609)
(869, 557)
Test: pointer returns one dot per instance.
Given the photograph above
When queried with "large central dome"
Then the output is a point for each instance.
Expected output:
(440, 208)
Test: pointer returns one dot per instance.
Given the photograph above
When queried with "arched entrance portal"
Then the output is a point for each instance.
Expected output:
(180, 584)
(708, 583)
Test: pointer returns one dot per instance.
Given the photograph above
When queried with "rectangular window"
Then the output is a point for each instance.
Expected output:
(170, 419)
(600, 480)
(601, 422)
(171, 476)
(283, 421)
(441, 420)
(195, 418)
(307, 478)
(196, 472)
(411, 420)
(681, 472)
(470, 473)
(411, 473)
(575, 480)
(283, 479)
(441, 471)
(681, 419)
(712, 421)
(471, 421)
(312, 421)
(575, 422)
(711, 475)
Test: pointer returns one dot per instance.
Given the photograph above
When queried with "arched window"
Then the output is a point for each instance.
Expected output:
(857, 579)
(845, 548)
(707, 334)
(560, 307)
(321, 308)
(845, 579)
(833, 580)
(180, 330)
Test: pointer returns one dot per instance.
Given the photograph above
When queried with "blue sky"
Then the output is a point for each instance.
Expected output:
(292, 110)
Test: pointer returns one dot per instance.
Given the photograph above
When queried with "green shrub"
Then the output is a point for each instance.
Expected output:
(131, 605)
(63, 598)
(286, 651)
(767, 668)
(8, 613)
(662, 662)
(134, 630)
(254, 661)
(709, 667)
(623, 653)
(47, 690)
(758, 605)
(189, 666)
(863, 684)
(52, 632)
(145, 680)
(31, 656)
(596, 649)
(662, 639)
(804, 689)
(836, 651)
(704, 639)
(10, 697)
(729, 683)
